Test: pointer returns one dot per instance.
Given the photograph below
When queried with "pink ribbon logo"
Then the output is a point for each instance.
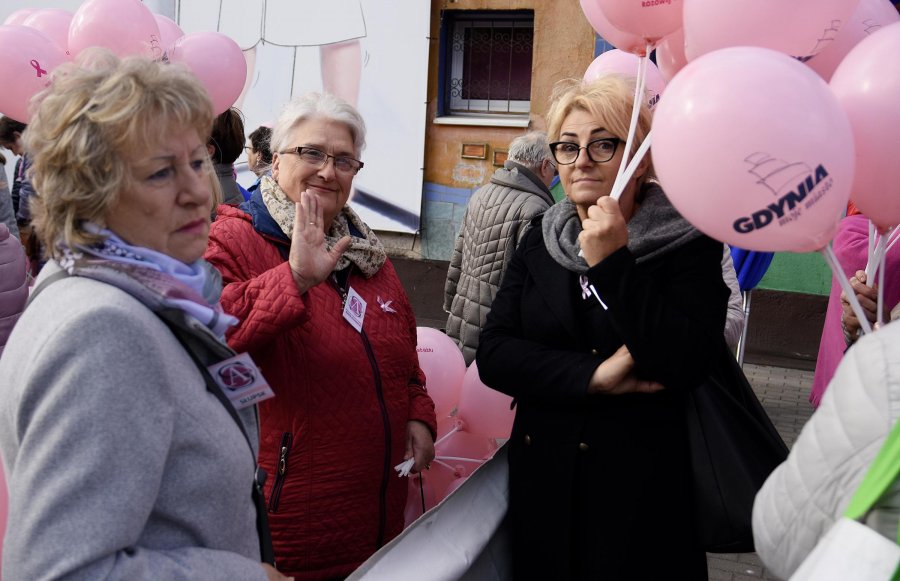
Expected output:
(37, 67)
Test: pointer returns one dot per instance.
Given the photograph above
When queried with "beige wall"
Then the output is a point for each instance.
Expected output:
(563, 48)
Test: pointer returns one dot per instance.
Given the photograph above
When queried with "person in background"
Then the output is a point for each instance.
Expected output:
(7, 210)
(13, 282)
(225, 145)
(809, 492)
(496, 219)
(841, 328)
(11, 132)
(123, 458)
(259, 156)
(734, 321)
(325, 316)
(610, 311)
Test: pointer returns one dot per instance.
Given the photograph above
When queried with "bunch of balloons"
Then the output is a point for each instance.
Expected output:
(775, 113)
(473, 420)
(34, 42)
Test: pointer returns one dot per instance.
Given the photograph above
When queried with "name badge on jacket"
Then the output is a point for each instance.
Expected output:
(354, 309)
(241, 381)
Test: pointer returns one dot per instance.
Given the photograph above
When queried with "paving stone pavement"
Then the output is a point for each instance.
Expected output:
(783, 392)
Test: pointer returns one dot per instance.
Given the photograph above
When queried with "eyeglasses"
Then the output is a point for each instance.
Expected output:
(598, 150)
(319, 158)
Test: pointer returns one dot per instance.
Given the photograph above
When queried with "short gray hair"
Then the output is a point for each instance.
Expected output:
(530, 149)
(317, 106)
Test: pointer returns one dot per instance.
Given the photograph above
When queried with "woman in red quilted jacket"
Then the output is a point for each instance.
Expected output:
(324, 315)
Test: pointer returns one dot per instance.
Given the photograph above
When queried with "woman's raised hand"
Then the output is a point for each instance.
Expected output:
(310, 259)
(603, 231)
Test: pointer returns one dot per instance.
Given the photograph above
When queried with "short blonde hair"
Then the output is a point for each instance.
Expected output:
(610, 99)
(95, 114)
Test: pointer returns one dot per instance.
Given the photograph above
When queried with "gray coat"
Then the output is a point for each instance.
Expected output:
(495, 221)
(120, 464)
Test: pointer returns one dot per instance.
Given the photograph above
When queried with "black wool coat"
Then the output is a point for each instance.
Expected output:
(599, 484)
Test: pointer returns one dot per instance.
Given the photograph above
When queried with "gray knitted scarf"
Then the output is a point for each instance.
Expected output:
(655, 229)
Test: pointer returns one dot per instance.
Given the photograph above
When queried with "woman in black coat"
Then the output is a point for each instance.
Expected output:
(608, 313)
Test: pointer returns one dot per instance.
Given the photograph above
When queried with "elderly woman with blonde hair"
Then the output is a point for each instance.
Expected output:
(609, 312)
(125, 459)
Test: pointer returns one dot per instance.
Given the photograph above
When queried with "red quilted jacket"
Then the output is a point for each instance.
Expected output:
(337, 425)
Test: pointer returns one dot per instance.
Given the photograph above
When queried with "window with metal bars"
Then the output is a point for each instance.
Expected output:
(486, 64)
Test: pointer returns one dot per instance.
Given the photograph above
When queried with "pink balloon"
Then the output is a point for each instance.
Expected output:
(218, 63)
(648, 19)
(53, 23)
(670, 54)
(619, 39)
(444, 368)
(798, 28)
(19, 16)
(869, 17)
(867, 90)
(169, 32)
(753, 149)
(126, 27)
(27, 58)
(483, 410)
(625, 63)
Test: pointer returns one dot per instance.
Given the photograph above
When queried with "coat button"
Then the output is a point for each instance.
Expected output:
(583, 447)
(527, 440)
(594, 352)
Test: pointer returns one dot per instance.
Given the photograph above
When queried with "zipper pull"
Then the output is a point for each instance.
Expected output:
(282, 463)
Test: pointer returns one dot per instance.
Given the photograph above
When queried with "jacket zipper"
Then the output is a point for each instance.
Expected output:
(386, 469)
(287, 440)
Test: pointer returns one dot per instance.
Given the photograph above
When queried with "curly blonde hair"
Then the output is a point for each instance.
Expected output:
(610, 99)
(95, 114)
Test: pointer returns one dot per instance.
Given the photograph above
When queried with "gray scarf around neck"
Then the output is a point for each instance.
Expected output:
(655, 229)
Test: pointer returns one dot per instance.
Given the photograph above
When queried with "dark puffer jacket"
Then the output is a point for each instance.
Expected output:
(337, 425)
(496, 219)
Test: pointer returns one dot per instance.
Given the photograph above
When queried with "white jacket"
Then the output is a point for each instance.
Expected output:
(804, 496)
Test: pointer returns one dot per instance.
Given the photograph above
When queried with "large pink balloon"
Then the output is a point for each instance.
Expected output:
(753, 149)
(218, 63)
(799, 28)
(444, 368)
(648, 19)
(126, 27)
(867, 85)
(19, 16)
(483, 410)
(619, 39)
(625, 63)
(53, 23)
(463, 444)
(27, 58)
(169, 32)
(670, 55)
(869, 17)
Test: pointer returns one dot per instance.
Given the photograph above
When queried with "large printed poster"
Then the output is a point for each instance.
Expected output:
(373, 53)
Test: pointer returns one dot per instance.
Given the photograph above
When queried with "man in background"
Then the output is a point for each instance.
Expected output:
(496, 218)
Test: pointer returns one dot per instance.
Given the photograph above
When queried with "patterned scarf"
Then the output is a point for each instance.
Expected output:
(366, 253)
(155, 279)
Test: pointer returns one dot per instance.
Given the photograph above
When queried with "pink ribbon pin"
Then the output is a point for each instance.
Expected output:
(37, 67)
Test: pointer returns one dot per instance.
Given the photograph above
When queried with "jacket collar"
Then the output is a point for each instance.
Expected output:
(517, 176)
(555, 283)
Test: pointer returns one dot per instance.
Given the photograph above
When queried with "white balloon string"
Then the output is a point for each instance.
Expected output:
(445, 465)
(635, 113)
(879, 305)
(447, 435)
(870, 259)
(459, 459)
(894, 237)
(838, 272)
(620, 184)
(875, 260)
